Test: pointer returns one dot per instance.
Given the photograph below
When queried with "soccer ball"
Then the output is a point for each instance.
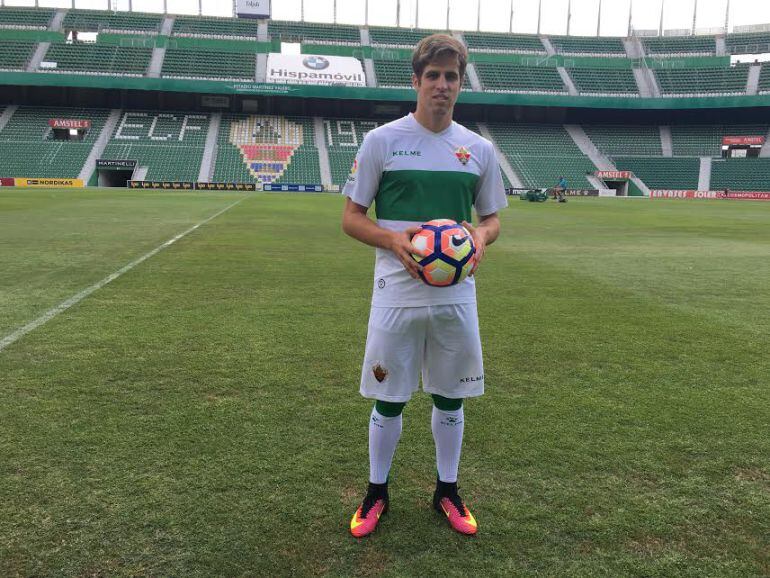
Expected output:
(445, 251)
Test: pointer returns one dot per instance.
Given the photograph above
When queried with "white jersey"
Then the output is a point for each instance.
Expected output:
(414, 175)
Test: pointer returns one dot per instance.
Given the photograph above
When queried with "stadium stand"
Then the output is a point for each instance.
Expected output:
(102, 21)
(266, 149)
(749, 174)
(706, 140)
(208, 27)
(282, 149)
(638, 140)
(25, 18)
(662, 173)
(604, 81)
(751, 43)
(88, 58)
(307, 31)
(15, 55)
(589, 46)
(511, 78)
(541, 153)
(208, 64)
(691, 82)
(27, 148)
(764, 79)
(679, 45)
(475, 128)
(170, 144)
(343, 137)
(489, 42)
(393, 73)
(402, 37)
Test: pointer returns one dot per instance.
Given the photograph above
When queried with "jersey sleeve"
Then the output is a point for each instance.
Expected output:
(490, 192)
(364, 178)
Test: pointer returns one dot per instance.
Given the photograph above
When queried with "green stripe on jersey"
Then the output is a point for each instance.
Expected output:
(425, 195)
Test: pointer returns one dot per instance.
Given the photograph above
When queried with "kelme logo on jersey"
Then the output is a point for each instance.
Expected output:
(463, 155)
(407, 153)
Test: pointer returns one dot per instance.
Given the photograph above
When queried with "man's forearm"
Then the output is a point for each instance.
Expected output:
(490, 228)
(363, 229)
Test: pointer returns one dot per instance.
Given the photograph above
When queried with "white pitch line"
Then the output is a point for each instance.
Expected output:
(64, 305)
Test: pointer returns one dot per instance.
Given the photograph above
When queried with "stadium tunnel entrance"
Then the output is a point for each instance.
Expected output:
(114, 173)
(620, 187)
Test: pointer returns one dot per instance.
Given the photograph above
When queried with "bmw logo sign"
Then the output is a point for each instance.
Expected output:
(315, 62)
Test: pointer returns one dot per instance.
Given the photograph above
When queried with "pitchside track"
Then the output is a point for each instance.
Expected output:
(199, 414)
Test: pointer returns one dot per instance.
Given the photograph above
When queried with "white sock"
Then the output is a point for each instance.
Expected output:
(384, 433)
(448, 429)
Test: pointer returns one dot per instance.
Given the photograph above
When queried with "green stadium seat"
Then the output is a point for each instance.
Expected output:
(343, 138)
(706, 140)
(511, 78)
(695, 81)
(103, 21)
(541, 153)
(636, 140)
(588, 46)
(402, 37)
(25, 18)
(491, 42)
(314, 32)
(764, 79)
(27, 148)
(662, 173)
(266, 149)
(748, 174)
(208, 27)
(102, 59)
(679, 45)
(15, 55)
(604, 81)
(208, 64)
(475, 128)
(170, 144)
(751, 43)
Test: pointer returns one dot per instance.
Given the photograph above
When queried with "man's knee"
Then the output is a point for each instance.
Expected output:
(389, 408)
(446, 403)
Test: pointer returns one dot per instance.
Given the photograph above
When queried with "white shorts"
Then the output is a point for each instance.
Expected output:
(441, 342)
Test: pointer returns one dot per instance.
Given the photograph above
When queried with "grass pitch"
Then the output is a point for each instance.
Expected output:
(199, 415)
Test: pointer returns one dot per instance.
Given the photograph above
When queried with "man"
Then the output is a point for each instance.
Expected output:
(421, 167)
(558, 190)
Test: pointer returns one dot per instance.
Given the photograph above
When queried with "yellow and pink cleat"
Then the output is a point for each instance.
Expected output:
(451, 505)
(367, 515)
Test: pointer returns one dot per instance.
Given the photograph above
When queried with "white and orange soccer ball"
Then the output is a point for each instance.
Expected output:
(445, 250)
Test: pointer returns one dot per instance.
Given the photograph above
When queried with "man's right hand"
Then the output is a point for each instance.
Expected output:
(401, 245)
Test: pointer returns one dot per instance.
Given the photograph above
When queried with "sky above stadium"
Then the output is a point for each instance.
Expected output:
(494, 15)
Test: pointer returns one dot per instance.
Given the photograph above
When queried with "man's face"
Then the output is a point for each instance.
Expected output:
(438, 87)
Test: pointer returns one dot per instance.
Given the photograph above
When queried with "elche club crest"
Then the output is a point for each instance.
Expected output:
(267, 145)
(463, 155)
(353, 171)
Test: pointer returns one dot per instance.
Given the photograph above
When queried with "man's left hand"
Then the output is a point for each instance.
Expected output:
(479, 241)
